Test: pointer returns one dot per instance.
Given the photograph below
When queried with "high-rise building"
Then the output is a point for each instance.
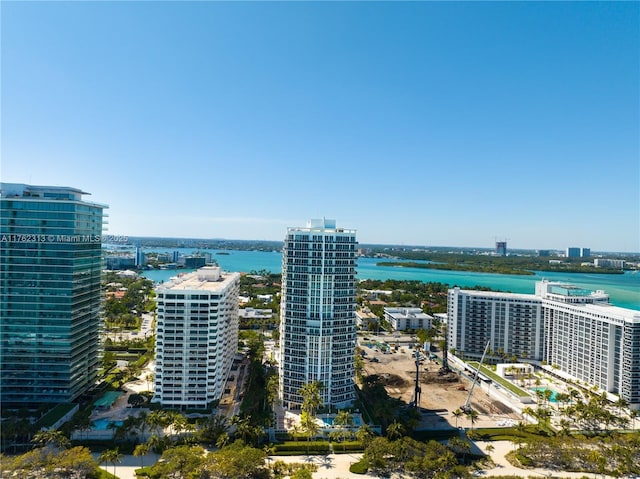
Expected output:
(577, 331)
(140, 258)
(50, 293)
(512, 323)
(572, 252)
(501, 248)
(317, 314)
(196, 337)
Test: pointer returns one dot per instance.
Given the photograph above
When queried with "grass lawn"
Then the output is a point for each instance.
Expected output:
(500, 380)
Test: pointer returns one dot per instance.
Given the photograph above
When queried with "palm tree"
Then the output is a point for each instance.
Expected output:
(489, 448)
(309, 425)
(457, 414)
(365, 434)
(620, 403)
(345, 419)
(223, 440)
(395, 430)
(111, 455)
(53, 438)
(141, 450)
(634, 413)
(473, 416)
(311, 399)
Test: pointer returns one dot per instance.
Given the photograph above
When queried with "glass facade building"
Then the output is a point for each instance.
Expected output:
(317, 314)
(51, 302)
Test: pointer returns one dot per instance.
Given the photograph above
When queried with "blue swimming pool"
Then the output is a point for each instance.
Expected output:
(328, 420)
(103, 424)
(553, 393)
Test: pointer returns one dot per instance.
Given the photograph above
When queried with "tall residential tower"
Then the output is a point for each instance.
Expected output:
(317, 315)
(197, 337)
(50, 293)
(577, 331)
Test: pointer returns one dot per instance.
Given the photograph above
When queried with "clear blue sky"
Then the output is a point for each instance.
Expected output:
(413, 123)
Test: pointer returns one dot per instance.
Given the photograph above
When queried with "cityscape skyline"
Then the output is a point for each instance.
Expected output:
(455, 123)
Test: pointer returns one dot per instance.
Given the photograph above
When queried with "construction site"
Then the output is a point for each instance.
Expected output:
(441, 391)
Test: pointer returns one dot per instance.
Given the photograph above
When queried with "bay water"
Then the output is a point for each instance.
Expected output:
(623, 289)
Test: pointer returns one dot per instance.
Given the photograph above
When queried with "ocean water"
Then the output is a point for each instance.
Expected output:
(623, 289)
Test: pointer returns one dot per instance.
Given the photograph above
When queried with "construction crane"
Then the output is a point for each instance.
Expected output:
(418, 389)
(466, 408)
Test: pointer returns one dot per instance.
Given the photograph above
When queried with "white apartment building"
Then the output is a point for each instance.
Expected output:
(511, 323)
(577, 331)
(609, 263)
(197, 337)
(317, 314)
(402, 319)
(589, 339)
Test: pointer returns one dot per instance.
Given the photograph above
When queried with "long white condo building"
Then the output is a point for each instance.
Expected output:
(317, 314)
(577, 331)
(197, 337)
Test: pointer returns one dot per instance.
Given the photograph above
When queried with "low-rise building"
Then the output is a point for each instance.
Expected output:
(402, 319)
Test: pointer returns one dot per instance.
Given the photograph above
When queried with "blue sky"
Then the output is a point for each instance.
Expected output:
(418, 123)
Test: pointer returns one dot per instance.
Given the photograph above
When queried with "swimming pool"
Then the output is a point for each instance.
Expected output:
(103, 424)
(328, 420)
(553, 393)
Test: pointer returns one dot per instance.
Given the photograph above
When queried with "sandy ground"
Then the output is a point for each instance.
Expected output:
(440, 395)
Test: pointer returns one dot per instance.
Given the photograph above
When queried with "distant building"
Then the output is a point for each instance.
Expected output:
(253, 313)
(51, 300)
(577, 331)
(119, 262)
(164, 258)
(403, 319)
(317, 316)
(544, 252)
(609, 263)
(197, 337)
(141, 258)
(501, 248)
(193, 262)
(575, 252)
(364, 318)
(572, 252)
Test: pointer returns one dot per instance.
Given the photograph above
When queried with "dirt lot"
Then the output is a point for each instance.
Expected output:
(440, 395)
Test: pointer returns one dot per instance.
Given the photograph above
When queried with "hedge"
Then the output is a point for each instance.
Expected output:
(359, 467)
(315, 447)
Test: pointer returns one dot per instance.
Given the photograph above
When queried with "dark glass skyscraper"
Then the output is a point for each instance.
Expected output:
(50, 293)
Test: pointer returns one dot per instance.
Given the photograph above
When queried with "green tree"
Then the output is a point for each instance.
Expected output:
(51, 438)
(237, 461)
(457, 414)
(179, 462)
(309, 426)
(140, 451)
(311, 398)
(112, 456)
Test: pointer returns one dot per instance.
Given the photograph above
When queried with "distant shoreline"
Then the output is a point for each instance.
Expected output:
(493, 270)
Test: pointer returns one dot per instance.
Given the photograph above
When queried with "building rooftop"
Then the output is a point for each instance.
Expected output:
(323, 224)
(38, 191)
(208, 278)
